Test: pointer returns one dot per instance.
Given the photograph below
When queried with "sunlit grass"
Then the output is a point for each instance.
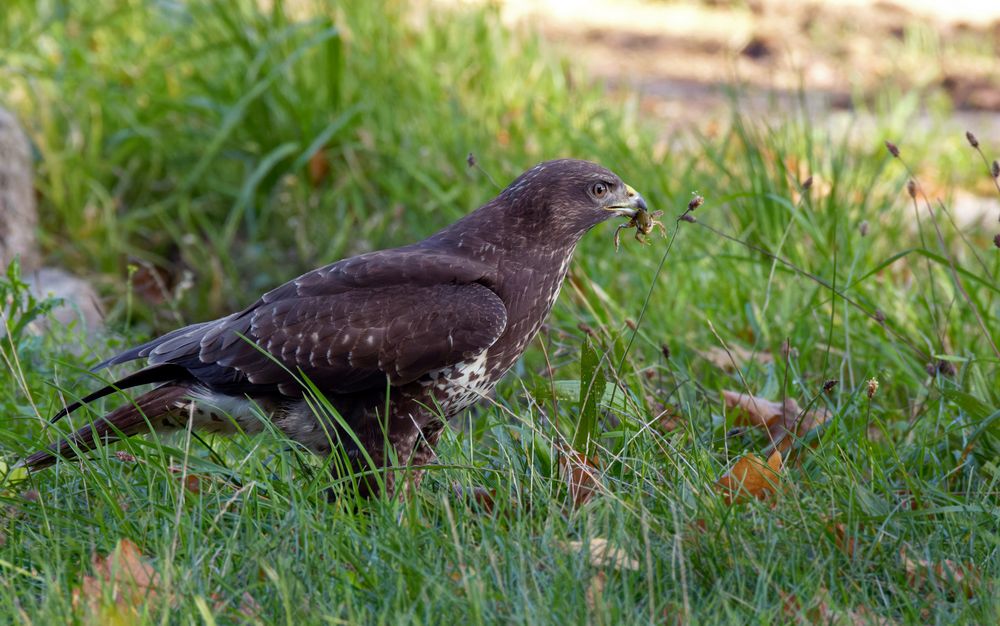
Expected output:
(182, 136)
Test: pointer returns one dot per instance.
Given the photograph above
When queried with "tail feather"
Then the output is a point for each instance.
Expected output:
(145, 376)
(126, 420)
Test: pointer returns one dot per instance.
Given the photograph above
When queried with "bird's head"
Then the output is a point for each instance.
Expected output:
(563, 199)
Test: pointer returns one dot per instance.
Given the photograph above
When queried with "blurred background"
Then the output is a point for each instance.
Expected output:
(842, 58)
(176, 145)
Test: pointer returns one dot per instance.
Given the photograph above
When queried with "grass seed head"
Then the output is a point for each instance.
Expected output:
(972, 139)
(665, 350)
(995, 169)
(863, 228)
(893, 149)
(996, 240)
(829, 385)
(471, 160)
(807, 183)
(872, 387)
(687, 217)
(630, 323)
(879, 316)
(695, 202)
(586, 329)
(911, 188)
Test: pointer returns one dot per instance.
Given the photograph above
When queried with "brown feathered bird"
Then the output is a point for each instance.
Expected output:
(397, 340)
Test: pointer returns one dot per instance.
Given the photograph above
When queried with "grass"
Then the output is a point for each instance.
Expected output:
(185, 138)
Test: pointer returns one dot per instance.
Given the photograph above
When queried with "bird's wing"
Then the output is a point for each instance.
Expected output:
(389, 315)
(414, 265)
(346, 342)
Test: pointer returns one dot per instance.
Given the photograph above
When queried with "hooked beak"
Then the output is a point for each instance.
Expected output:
(633, 205)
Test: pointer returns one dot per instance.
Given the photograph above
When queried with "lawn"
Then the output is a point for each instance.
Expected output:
(192, 155)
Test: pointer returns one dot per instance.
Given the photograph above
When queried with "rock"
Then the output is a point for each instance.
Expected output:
(18, 216)
(18, 222)
(80, 302)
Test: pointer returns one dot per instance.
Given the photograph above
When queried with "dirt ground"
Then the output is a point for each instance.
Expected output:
(850, 62)
(681, 56)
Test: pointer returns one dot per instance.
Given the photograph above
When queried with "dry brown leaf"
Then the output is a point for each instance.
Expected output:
(152, 283)
(133, 581)
(750, 476)
(778, 419)
(735, 358)
(319, 167)
(191, 482)
(484, 498)
(581, 474)
(822, 613)
(846, 543)
(668, 418)
(602, 554)
(920, 571)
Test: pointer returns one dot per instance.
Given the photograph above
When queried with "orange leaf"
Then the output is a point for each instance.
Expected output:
(133, 582)
(582, 476)
(750, 476)
(319, 167)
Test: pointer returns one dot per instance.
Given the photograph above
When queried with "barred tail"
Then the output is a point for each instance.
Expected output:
(152, 406)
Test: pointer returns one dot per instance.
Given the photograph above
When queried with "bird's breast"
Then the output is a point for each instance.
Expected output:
(461, 385)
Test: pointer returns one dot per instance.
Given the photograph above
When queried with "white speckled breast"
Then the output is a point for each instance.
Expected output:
(459, 386)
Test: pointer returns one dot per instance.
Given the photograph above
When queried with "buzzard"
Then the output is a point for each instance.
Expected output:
(397, 340)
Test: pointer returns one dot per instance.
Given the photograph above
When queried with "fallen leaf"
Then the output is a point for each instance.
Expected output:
(735, 357)
(484, 498)
(820, 611)
(319, 167)
(133, 581)
(778, 419)
(667, 418)
(920, 572)
(152, 283)
(602, 554)
(581, 474)
(843, 541)
(191, 482)
(750, 476)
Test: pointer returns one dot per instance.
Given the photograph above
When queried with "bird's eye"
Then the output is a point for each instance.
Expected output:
(599, 190)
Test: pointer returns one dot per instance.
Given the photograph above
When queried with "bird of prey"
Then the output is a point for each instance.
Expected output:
(397, 340)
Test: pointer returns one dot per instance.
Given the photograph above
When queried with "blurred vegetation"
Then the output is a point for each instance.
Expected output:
(182, 134)
(243, 145)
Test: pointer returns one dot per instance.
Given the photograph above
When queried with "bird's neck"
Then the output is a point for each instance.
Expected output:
(528, 270)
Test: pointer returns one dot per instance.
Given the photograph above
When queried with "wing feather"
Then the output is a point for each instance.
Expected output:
(391, 315)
